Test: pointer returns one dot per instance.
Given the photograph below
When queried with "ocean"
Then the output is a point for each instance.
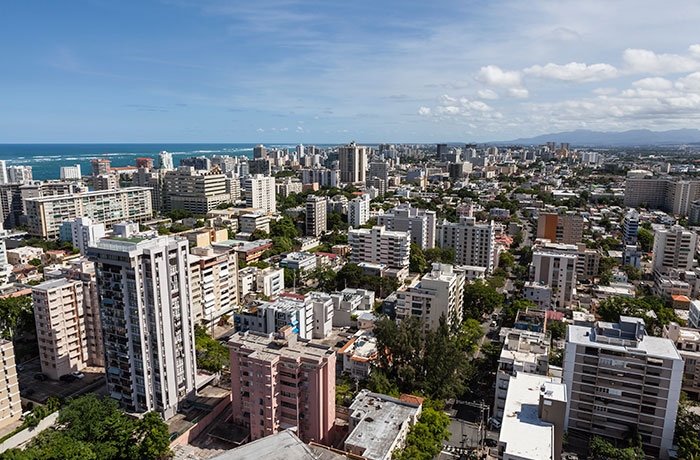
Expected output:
(46, 159)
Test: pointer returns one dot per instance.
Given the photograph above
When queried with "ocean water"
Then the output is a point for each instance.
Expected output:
(46, 159)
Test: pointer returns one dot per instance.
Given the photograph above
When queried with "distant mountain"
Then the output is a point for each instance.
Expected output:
(636, 137)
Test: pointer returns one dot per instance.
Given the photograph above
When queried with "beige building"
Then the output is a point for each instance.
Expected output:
(22, 255)
(10, 402)
(214, 281)
(59, 312)
(687, 342)
(560, 228)
(46, 214)
(315, 215)
(554, 265)
(674, 248)
(380, 246)
(260, 193)
(474, 244)
(192, 190)
(353, 163)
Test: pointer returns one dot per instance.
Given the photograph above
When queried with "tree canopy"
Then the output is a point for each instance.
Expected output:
(424, 440)
(655, 314)
(480, 299)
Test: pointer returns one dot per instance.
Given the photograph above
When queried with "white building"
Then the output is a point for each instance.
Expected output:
(86, 233)
(10, 400)
(165, 161)
(322, 306)
(302, 261)
(350, 303)
(358, 211)
(270, 281)
(358, 354)
(378, 245)
(540, 294)
(474, 244)
(148, 330)
(420, 223)
(260, 193)
(555, 266)
(70, 172)
(674, 248)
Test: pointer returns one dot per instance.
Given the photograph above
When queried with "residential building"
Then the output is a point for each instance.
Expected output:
(266, 317)
(279, 381)
(105, 182)
(540, 294)
(694, 314)
(257, 219)
(259, 151)
(674, 248)
(322, 306)
(359, 354)
(260, 193)
(555, 266)
(10, 401)
(350, 303)
(148, 329)
(84, 232)
(379, 425)
(66, 172)
(587, 263)
(474, 244)
(378, 170)
(353, 163)
(315, 215)
(196, 191)
(214, 282)
(560, 228)
(45, 214)
(665, 193)
(152, 179)
(420, 223)
(165, 161)
(270, 281)
(283, 445)
(100, 166)
(630, 227)
(618, 377)
(321, 176)
(23, 255)
(59, 312)
(378, 245)
(440, 293)
(534, 426)
(288, 186)
(358, 211)
(687, 341)
(301, 261)
(523, 352)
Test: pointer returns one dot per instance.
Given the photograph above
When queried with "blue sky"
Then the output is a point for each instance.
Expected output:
(331, 72)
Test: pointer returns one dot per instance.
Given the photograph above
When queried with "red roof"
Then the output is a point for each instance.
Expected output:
(293, 296)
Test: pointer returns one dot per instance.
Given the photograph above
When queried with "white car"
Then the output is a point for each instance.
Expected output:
(78, 375)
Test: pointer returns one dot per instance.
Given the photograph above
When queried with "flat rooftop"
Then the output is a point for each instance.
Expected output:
(653, 346)
(284, 445)
(522, 431)
(266, 348)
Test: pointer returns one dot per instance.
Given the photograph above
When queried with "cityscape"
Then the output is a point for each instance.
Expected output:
(355, 301)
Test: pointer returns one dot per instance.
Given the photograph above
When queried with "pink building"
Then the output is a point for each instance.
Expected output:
(279, 381)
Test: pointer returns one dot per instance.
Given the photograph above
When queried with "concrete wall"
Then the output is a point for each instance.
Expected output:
(195, 430)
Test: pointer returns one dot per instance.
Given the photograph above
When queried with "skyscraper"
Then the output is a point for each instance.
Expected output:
(259, 151)
(674, 248)
(358, 211)
(165, 160)
(315, 215)
(353, 163)
(474, 244)
(260, 193)
(145, 294)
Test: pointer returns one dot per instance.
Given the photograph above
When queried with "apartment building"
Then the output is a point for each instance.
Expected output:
(197, 191)
(560, 228)
(214, 282)
(555, 266)
(148, 330)
(249, 221)
(260, 193)
(358, 211)
(378, 245)
(279, 381)
(82, 232)
(618, 377)
(687, 341)
(439, 293)
(315, 215)
(61, 333)
(359, 355)
(349, 303)
(474, 244)
(10, 401)
(523, 352)
(674, 248)
(83, 270)
(420, 223)
(353, 163)
(630, 227)
(23, 254)
(665, 193)
(46, 214)
(152, 179)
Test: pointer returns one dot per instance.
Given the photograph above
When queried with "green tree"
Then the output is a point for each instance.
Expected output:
(480, 299)
(633, 273)
(424, 440)
(655, 314)
(211, 355)
(16, 314)
(443, 363)
(557, 329)
(258, 234)
(284, 228)
(646, 239)
(506, 260)
(152, 438)
(510, 311)
(416, 260)
(349, 276)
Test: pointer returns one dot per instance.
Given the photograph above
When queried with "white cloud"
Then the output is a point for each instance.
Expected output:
(646, 61)
(492, 75)
(424, 111)
(519, 93)
(260, 130)
(689, 83)
(487, 94)
(653, 84)
(694, 50)
(573, 71)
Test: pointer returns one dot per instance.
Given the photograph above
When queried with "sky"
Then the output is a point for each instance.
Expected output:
(331, 72)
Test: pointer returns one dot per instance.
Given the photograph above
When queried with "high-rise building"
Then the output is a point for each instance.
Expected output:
(46, 214)
(379, 246)
(165, 161)
(439, 293)
(315, 215)
(630, 227)
(214, 282)
(85, 232)
(100, 166)
(145, 296)
(560, 228)
(201, 163)
(259, 151)
(108, 181)
(19, 174)
(555, 266)
(474, 244)
(192, 190)
(69, 172)
(145, 162)
(153, 179)
(358, 211)
(280, 381)
(379, 170)
(671, 195)
(3, 172)
(674, 248)
(353, 163)
(618, 378)
(421, 223)
(60, 326)
(260, 193)
(687, 341)
(10, 401)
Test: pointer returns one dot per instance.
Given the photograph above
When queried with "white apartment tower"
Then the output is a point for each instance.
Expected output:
(674, 248)
(86, 233)
(556, 268)
(630, 227)
(379, 246)
(10, 401)
(353, 163)
(617, 377)
(165, 161)
(315, 215)
(260, 193)
(358, 211)
(145, 297)
(474, 244)
(420, 223)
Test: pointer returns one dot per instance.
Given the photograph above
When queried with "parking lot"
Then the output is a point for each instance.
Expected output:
(38, 391)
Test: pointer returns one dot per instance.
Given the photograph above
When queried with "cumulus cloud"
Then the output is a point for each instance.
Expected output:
(653, 84)
(573, 71)
(424, 111)
(647, 61)
(487, 94)
(689, 83)
(519, 93)
(492, 75)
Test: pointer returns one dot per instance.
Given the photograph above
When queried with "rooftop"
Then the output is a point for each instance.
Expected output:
(653, 346)
(284, 445)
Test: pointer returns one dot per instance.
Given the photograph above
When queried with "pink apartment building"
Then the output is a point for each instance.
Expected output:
(279, 381)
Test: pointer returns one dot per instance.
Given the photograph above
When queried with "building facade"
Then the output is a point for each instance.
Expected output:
(315, 215)
(474, 244)
(378, 245)
(10, 401)
(353, 163)
(260, 193)
(560, 228)
(420, 223)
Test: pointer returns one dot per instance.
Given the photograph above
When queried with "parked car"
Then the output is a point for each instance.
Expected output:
(494, 423)
(41, 376)
(78, 375)
(68, 378)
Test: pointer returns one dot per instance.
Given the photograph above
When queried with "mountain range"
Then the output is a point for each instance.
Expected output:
(636, 137)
